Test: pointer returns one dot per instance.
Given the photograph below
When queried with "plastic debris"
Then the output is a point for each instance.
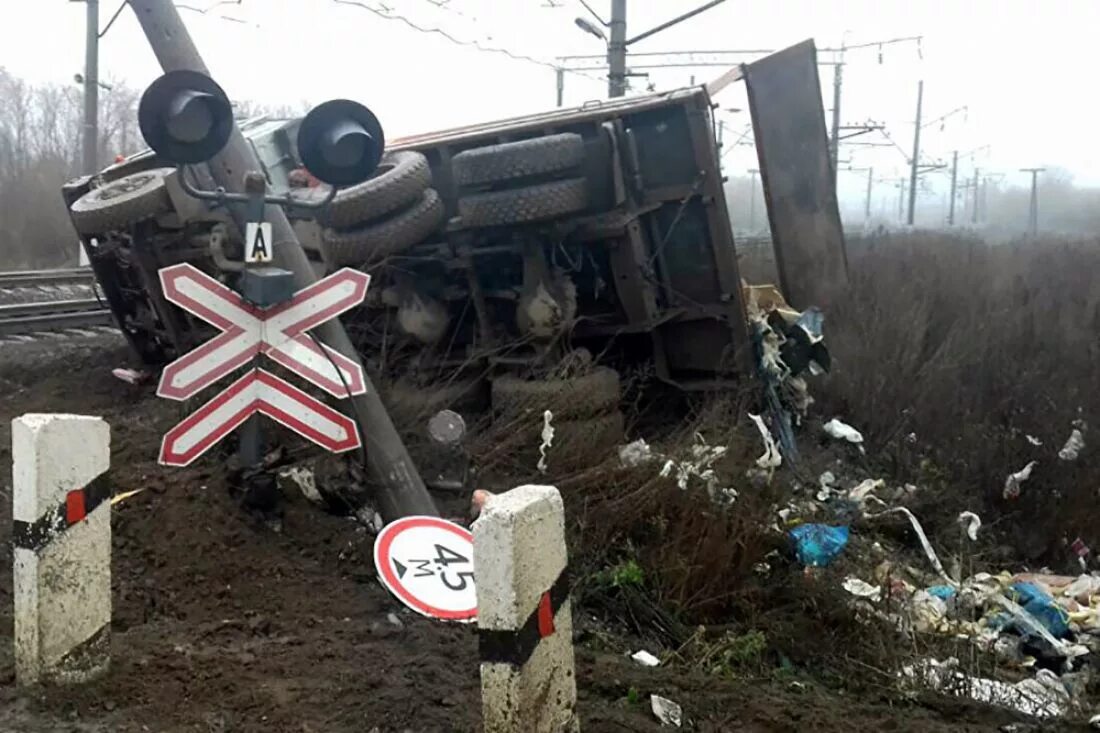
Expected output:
(825, 482)
(645, 659)
(926, 611)
(131, 376)
(1094, 722)
(1073, 446)
(668, 712)
(865, 490)
(1082, 589)
(1015, 480)
(843, 431)
(862, 589)
(305, 480)
(972, 522)
(1041, 606)
(547, 439)
(1043, 696)
(703, 456)
(635, 454)
(817, 545)
(943, 592)
(924, 543)
(1033, 440)
(771, 457)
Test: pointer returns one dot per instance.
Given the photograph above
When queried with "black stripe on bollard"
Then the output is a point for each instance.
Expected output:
(516, 647)
(78, 504)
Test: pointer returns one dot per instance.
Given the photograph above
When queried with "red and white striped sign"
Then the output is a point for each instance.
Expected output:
(258, 391)
(247, 331)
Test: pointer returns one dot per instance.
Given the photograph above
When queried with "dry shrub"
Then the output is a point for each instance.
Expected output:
(971, 347)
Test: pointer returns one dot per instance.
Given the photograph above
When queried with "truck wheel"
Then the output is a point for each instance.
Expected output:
(508, 161)
(587, 442)
(121, 203)
(591, 394)
(523, 205)
(409, 402)
(358, 247)
(399, 180)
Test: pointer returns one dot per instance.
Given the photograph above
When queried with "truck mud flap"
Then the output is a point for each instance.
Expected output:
(788, 121)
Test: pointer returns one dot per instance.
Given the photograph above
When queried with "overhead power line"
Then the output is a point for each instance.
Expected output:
(458, 41)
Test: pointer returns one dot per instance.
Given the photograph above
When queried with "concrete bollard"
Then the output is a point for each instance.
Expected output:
(61, 535)
(525, 624)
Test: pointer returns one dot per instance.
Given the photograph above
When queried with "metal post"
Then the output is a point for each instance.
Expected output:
(954, 178)
(901, 200)
(90, 143)
(834, 143)
(561, 84)
(399, 489)
(616, 50)
(916, 157)
(867, 205)
(1033, 208)
(752, 198)
(974, 209)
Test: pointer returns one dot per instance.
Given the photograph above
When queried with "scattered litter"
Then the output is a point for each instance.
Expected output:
(1041, 606)
(972, 522)
(1082, 589)
(928, 551)
(818, 545)
(865, 490)
(771, 457)
(1042, 696)
(1015, 480)
(547, 439)
(305, 480)
(703, 456)
(117, 498)
(635, 454)
(943, 592)
(1094, 722)
(668, 712)
(394, 620)
(1081, 550)
(1073, 446)
(862, 589)
(645, 659)
(843, 431)
(1033, 440)
(826, 482)
(131, 376)
(926, 611)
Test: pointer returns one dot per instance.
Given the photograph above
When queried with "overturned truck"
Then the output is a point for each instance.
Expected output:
(500, 251)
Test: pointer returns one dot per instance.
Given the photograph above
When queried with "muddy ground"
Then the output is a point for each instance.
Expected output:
(221, 623)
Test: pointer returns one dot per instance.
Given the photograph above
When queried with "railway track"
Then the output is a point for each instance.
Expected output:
(32, 278)
(58, 315)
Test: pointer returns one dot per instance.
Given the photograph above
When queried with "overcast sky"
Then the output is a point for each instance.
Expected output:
(1022, 68)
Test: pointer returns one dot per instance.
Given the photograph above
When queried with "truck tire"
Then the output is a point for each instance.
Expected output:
(508, 161)
(399, 180)
(580, 397)
(358, 247)
(524, 205)
(121, 203)
(587, 442)
(409, 402)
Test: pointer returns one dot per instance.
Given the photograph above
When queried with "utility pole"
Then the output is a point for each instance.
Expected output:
(916, 157)
(974, 209)
(954, 178)
(618, 43)
(752, 198)
(1033, 209)
(399, 489)
(834, 143)
(90, 143)
(867, 205)
(616, 50)
(901, 200)
(561, 84)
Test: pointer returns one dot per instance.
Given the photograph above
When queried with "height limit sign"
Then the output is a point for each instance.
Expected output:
(258, 246)
(428, 563)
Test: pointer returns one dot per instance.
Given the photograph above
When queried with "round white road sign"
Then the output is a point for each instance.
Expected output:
(428, 563)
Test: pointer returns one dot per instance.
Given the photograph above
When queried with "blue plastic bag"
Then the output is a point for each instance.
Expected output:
(1040, 605)
(943, 592)
(818, 545)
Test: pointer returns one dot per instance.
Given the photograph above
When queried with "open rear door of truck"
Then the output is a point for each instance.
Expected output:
(788, 121)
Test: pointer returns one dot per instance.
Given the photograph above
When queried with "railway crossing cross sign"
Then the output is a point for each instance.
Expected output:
(248, 331)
